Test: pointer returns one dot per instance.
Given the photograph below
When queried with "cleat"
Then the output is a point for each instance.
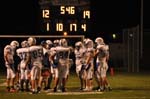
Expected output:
(38, 89)
(12, 90)
(46, 88)
(55, 89)
(99, 90)
(22, 90)
(109, 89)
(8, 89)
(64, 90)
(81, 89)
(34, 92)
(85, 89)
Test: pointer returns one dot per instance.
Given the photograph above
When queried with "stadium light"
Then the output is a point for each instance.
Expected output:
(114, 36)
(65, 33)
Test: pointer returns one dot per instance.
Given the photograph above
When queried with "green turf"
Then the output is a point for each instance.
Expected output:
(124, 85)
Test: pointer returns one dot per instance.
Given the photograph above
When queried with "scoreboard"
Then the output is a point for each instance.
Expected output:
(65, 17)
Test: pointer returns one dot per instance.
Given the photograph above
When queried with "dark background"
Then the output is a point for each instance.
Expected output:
(22, 16)
(108, 16)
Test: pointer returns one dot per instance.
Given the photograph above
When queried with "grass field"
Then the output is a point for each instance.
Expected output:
(124, 86)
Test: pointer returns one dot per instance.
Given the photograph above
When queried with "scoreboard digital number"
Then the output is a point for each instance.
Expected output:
(65, 19)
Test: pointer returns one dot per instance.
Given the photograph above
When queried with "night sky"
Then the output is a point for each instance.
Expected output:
(112, 15)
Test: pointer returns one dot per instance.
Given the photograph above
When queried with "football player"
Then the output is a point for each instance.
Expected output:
(98, 42)
(88, 64)
(79, 53)
(53, 58)
(102, 53)
(9, 52)
(36, 56)
(46, 70)
(62, 53)
(23, 53)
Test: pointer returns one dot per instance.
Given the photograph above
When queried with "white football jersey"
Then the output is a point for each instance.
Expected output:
(103, 50)
(79, 53)
(8, 50)
(89, 53)
(52, 51)
(23, 53)
(36, 53)
(62, 52)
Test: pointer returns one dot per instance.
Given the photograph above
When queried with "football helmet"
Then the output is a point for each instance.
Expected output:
(79, 43)
(63, 42)
(56, 43)
(31, 41)
(43, 43)
(89, 43)
(84, 41)
(99, 40)
(49, 44)
(14, 44)
(24, 44)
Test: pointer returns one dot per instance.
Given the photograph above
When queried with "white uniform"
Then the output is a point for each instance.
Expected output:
(62, 53)
(9, 62)
(79, 59)
(102, 57)
(90, 53)
(36, 53)
(23, 53)
(54, 68)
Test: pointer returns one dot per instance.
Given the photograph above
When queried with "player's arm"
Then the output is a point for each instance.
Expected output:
(51, 56)
(51, 59)
(107, 52)
(86, 65)
(63, 49)
(107, 56)
(71, 49)
(9, 59)
(5, 57)
(89, 58)
(27, 59)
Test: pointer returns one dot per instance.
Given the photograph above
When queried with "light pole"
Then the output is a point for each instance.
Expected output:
(141, 29)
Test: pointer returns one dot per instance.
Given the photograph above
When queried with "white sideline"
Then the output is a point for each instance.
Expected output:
(73, 93)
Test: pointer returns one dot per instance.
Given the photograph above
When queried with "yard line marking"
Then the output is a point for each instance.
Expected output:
(73, 93)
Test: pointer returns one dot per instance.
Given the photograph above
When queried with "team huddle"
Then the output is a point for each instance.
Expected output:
(50, 61)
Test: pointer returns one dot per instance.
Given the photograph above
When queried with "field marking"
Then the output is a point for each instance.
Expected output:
(120, 98)
(73, 93)
(126, 98)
